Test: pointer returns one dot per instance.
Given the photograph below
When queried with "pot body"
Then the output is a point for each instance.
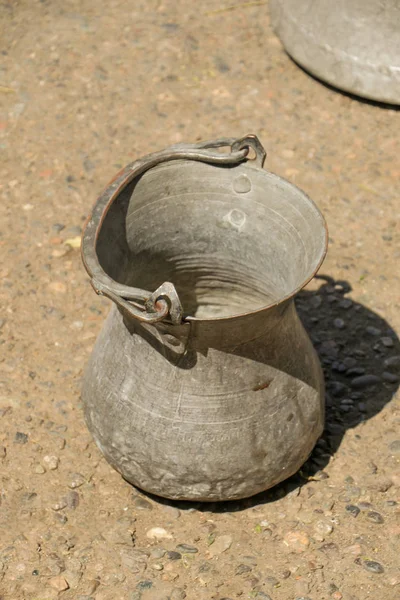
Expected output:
(208, 388)
(353, 45)
(213, 411)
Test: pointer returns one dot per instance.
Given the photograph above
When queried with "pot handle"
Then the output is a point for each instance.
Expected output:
(164, 303)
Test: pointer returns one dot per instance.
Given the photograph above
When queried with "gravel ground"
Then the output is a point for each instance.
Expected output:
(85, 88)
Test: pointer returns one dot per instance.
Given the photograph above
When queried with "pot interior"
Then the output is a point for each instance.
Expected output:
(231, 239)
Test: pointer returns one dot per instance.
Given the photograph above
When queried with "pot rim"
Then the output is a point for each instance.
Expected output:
(94, 222)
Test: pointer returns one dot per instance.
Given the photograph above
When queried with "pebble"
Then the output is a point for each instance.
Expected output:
(364, 381)
(186, 549)
(354, 549)
(20, 438)
(39, 470)
(298, 541)
(349, 362)
(60, 504)
(157, 566)
(134, 560)
(144, 585)
(158, 533)
(394, 447)
(375, 517)
(142, 504)
(72, 500)
(392, 363)
(59, 583)
(373, 567)
(76, 480)
(339, 324)
(172, 555)
(323, 528)
(171, 511)
(390, 377)
(346, 303)
(242, 569)
(157, 553)
(222, 544)
(387, 342)
(374, 331)
(50, 462)
(355, 371)
(354, 511)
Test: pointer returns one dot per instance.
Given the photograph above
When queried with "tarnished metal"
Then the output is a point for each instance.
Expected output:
(207, 388)
(351, 44)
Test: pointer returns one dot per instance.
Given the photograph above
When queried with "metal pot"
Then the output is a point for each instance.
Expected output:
(351, 44)
(222, 398)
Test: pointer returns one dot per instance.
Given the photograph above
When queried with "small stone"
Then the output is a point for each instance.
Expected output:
(364, 505)
(172, 555)
(72, 500)
(158, 533)
(354, 549)
(144, 585)
(20, 438)
(61, 518)
(134, 560)
(346, 303)
(354, 511)
(352, 492)
(157, 553)
(178, 594)
(365, 381)
(323, 528)
(59, 505)
(373, 567)
(339, 324)
(142, 504)
(221, 544)
(171, 511)
(73, 578)
(374, 331)
(186, 549)
(50, 462)
(392, 363)
(297, 541)
(329, 547)
(157, 566)
(349, 362)
(375, 517)
(394, 447)
(241, 569)
(39, 470)
(337, 595)
(355, 371)
(76, 480)
(59, 583)
(390, 377)
(387, 342)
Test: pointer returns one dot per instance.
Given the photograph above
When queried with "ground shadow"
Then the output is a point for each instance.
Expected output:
(360, 356)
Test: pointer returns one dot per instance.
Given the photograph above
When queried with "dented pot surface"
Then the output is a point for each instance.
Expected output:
(203, 384)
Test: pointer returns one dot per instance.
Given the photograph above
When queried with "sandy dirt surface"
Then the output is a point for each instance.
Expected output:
(86, 87)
